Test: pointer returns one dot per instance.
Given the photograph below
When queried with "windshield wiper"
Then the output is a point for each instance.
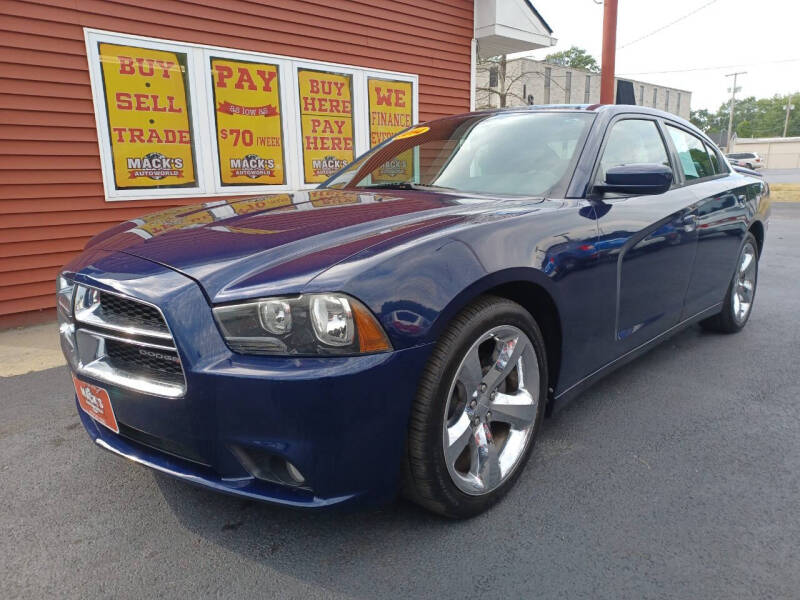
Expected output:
(401, 185)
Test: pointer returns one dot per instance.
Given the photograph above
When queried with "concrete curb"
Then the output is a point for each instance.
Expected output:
(27, 349)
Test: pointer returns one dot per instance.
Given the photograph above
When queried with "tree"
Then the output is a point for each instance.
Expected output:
(752, 117)
(701, 119)
(576, 58)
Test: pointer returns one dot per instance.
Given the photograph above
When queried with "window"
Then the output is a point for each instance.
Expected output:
(587, 89)
(678, 104)
(641, 95)
(716, 163)
(694, 158)
(568, 87)
(493, 76)
(182, 120)
(655, 97)
(547, 75)
(632, 141)
(666, 100)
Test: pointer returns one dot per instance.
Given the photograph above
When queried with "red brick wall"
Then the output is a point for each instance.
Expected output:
(51, 192)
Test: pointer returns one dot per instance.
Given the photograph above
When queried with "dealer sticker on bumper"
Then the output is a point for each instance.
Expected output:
(95, 402)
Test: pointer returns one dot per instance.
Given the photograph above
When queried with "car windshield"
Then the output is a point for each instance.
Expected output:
(500, 154)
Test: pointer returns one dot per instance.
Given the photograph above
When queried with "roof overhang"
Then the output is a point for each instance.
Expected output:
(509, 26)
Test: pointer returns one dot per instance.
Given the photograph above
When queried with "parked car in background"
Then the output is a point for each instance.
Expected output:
(408, 328)
(750, 160)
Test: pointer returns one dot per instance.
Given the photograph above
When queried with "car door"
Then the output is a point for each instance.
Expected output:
(721, 211)
(651, 238)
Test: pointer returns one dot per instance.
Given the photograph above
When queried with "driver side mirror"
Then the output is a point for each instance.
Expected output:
(640, 179)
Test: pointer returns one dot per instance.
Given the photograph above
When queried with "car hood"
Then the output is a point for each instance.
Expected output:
(278, 243)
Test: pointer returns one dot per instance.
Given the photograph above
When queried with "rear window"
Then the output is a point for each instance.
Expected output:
(694, 159)
(718, 166)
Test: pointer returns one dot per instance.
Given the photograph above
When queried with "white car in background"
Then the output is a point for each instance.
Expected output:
(751, 160)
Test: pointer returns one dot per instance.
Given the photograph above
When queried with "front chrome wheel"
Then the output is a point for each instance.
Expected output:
(491, 410)
(744, 284)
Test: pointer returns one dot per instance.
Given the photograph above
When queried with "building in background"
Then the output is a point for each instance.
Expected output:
(777, 152)
(113, 109)
(529, 81)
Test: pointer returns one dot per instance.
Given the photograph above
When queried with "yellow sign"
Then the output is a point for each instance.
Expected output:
(148, 117)
(247, 110)
(390, 111)
(326, 120)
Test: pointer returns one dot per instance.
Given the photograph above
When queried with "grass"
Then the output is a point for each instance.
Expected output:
(785, 192)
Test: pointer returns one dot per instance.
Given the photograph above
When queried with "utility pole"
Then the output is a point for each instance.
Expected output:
(609, 50)
(733, 91)
(789, 108)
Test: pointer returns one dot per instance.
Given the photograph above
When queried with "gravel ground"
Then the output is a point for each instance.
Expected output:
(676, 477)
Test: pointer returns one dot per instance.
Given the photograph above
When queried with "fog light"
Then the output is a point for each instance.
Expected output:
(267, 466)
(296, 475)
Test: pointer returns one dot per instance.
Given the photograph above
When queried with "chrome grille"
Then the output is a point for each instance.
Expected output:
(117, 309)
(147, 362)
(121, 340)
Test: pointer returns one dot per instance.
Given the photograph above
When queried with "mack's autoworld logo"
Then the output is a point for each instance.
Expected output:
(155, 166)
(252, 166)
(393, 167)
(93, 401)
(327, 166)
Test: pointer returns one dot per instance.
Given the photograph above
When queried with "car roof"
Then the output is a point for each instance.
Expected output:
(607, 109)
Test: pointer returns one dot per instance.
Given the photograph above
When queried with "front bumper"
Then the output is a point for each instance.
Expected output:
(341, 421)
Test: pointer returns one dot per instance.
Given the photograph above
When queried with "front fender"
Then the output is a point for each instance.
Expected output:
(407, 288)
(487, 283)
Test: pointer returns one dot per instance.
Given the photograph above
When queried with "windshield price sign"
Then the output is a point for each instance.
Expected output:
(149, 121)
(326, 122)
(390, 111)
(249, 134)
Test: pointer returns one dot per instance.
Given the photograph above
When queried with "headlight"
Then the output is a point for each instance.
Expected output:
(309, 325)
(64, 288)
(64, 292)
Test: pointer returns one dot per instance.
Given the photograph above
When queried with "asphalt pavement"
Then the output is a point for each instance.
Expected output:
(675, 477)
(781, 175)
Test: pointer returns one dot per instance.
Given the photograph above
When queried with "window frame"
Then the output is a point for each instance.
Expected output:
(200, 92)
(706, 144)
(607, 134)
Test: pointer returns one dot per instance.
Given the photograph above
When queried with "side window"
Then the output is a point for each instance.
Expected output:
(632, 141)
(718, 166)
(695, 161)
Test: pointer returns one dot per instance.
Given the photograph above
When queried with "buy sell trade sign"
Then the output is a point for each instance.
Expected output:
(148, 117)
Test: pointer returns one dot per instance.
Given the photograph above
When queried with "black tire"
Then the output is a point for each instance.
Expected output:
(726, 320)
(426, 479)
(749, 166)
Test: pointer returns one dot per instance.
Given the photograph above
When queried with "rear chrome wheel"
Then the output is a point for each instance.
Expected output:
(738, 303)
(744, 283)
(491, 410)
(479, 405)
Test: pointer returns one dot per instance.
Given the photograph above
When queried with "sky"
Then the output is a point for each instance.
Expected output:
(723, 37)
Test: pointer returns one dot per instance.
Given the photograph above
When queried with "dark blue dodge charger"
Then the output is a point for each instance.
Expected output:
(406, 326)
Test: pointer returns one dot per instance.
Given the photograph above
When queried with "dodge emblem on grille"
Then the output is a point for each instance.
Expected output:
(159, 355)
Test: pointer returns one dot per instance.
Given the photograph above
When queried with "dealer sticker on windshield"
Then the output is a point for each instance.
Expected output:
(95, 402)
(412, 132)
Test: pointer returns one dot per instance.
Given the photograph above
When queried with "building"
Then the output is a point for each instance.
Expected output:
(529, 81)
(777, 152)
(111, 110)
